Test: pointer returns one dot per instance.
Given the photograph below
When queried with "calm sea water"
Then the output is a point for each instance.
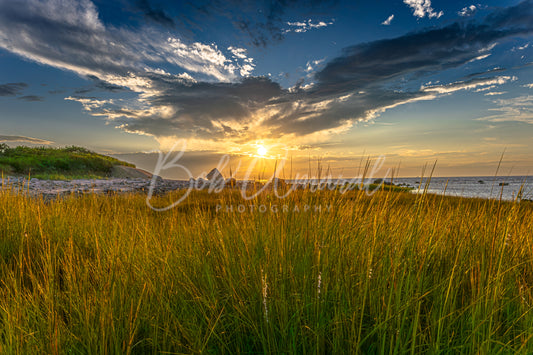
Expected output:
(506, 188)
(492, 187)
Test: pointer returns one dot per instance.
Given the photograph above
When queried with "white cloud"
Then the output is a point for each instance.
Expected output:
(246, 64)
(528, 86)
(518, 109)
(485, 88)
(467, 11)
(453, 87)
(494, 93)
(69, 35)
(388, 20)
(521, 48)
(197, 57)
(246, 69)
(301, 27)
(422, 8)
(483, 56)
(89, 104)
(238, 52)
(488, 48)
(312, 64)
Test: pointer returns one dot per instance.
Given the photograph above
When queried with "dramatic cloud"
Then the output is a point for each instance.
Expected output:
(467, 11)
(360, 84)
(388, 20)
(22, 139)
(69, 35)
(301, 27)
(12, 89)
(422, 8)
(353, 87)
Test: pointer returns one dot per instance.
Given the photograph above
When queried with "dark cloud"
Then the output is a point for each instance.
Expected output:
(59, 33)
(100, 85)
(71, 36)
(31, 98)
(12, 89)
(202, 108)
(155, 15)
(432, 50)
(358, 85)
(83, 91)
(493, 70)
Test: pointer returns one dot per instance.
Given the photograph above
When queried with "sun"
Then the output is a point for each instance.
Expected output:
(261, 151)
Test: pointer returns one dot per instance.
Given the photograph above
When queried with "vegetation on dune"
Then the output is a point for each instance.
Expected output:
(56, 163)
(387, 273)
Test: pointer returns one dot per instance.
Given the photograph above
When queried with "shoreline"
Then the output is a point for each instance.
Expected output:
(52, 189)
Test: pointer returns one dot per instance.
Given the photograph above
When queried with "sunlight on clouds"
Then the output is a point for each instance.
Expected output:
(422, 8)
(518, 109)
(89, 104)
(461, 85)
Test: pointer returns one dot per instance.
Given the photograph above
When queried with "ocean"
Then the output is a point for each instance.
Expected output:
(491, 187)
(507, 188)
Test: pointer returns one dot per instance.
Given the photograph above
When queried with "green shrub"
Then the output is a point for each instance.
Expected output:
(45, 161)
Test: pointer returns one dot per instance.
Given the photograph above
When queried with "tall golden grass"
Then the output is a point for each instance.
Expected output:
(389, 273)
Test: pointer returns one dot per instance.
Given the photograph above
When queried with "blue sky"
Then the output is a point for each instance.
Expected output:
(414, 80)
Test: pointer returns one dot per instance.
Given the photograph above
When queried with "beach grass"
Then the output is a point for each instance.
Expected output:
(389, 273)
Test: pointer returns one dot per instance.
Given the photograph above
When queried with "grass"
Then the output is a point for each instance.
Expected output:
(389, 273)
(56, 163)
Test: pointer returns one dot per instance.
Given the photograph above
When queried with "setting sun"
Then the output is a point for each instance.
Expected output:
(261, 150)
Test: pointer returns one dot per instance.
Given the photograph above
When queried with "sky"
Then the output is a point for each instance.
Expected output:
(335, 82)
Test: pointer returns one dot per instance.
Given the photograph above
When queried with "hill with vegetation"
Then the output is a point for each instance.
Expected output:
(57, 163)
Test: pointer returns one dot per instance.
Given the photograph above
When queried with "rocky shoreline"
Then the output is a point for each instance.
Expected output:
(51, 189)
(54, 188)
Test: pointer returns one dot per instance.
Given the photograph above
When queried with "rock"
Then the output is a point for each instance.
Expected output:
(158, 179)
(201, 183)
(214, 175)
